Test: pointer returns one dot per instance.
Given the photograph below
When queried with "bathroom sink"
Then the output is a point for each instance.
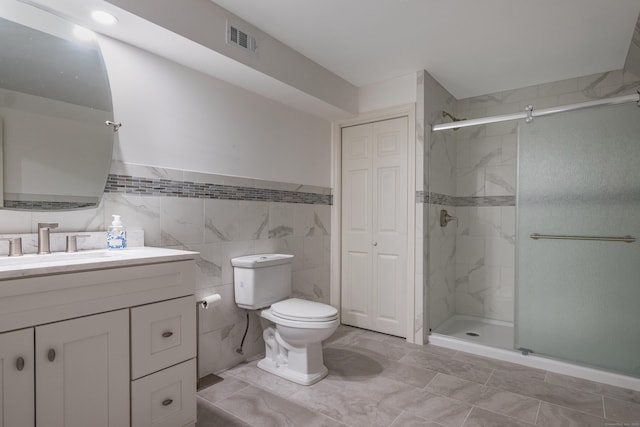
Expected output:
(58, 257)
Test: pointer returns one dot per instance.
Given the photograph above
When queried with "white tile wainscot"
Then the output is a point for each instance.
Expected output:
(80, 311)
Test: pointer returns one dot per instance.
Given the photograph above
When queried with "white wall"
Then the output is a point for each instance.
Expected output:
(204, 22)
(175, 117)
(388, 93)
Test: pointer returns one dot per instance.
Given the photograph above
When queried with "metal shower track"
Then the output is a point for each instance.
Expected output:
(530, 112)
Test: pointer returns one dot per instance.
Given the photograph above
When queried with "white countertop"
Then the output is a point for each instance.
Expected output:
(62, 262)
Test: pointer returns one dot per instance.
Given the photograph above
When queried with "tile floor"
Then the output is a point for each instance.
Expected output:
(378, 380)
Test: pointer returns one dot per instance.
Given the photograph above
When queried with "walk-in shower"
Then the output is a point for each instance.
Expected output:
(543, 258)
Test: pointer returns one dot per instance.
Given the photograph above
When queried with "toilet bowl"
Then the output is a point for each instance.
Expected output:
(293, 348)
(293, 328)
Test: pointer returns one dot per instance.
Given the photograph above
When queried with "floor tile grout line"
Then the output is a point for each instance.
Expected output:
(624, 401)
(506, 415)
(229, 395)
(473, 405)
(467, 417)
(397, 416)
(431, 380)
(555, 403)
(604, 409)
(488, 378)
(535, 421)
(571, 409)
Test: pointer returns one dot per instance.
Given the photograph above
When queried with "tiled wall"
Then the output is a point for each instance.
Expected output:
(435, 263)
(486, 166)
(219, 229)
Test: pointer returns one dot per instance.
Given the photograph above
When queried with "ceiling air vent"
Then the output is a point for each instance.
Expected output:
(241, 39)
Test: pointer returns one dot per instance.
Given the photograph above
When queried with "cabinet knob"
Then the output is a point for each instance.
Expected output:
(375, 243)
(167, 334)
(20, 364)
(51, 355)
(167, 402)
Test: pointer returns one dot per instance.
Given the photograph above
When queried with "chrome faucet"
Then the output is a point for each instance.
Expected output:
(15, 246)
(43, 236)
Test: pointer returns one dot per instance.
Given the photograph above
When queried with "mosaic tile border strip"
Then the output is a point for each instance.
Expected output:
(473, 201)
(486, 201)
(171, 188)
(46, 206)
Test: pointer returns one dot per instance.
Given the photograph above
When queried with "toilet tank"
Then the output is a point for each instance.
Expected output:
(260, 280)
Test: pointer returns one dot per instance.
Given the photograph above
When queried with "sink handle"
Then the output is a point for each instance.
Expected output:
(15, 246)
(72, 242)
(48, 225)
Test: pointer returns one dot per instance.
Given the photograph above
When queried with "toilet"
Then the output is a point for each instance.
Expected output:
(295, 328)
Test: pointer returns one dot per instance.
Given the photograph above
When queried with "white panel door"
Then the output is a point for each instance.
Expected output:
(374, 225)
(17, 392)
(82, 371)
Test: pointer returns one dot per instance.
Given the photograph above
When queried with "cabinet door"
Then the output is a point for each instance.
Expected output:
(16, 379)
(82, 371)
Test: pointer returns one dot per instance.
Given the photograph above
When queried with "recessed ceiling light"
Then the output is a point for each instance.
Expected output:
(104, 18)
(83, 33)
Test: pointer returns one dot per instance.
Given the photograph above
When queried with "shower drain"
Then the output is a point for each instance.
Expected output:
(472, 334)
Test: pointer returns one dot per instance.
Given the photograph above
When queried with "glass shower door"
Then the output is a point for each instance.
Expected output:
(579, 175)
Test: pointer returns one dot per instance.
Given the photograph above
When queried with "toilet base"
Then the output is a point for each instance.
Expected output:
(291, 375)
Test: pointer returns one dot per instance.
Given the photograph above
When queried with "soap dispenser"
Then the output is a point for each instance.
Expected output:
(116, 234)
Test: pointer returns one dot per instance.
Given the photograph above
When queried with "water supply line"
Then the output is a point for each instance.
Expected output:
(246, 329)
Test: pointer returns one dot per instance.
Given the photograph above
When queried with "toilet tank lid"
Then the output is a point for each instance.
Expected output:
(261, 260)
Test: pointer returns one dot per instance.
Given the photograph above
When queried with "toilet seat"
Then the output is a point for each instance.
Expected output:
(299, 310)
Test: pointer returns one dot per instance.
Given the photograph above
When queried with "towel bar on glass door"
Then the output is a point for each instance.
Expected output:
(626, 239)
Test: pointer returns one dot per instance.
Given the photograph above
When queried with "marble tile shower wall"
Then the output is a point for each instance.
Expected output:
(486, 166)
(435, 272)
(442, 240)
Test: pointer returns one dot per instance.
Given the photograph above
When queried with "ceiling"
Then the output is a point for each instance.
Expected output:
(471, 47)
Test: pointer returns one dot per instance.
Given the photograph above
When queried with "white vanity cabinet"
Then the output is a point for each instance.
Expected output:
(105, 347)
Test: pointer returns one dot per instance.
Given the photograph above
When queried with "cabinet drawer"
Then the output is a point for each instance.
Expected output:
(166, 398)
(162, 334)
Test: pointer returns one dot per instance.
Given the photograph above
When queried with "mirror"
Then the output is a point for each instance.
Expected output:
(54, 102)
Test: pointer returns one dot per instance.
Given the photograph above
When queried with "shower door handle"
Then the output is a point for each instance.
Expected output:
(625, 239)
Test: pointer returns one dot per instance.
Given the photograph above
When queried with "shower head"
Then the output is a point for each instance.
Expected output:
(452, 117)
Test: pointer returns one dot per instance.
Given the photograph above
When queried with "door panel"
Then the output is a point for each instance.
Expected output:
(387, 274)
(17, 392)
(83, 372)
(388, 190)
(358, 217)
(355, 296)
(577, 300)
(374, 225)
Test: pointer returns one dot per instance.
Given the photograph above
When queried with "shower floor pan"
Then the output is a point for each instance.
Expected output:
(488, 332)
